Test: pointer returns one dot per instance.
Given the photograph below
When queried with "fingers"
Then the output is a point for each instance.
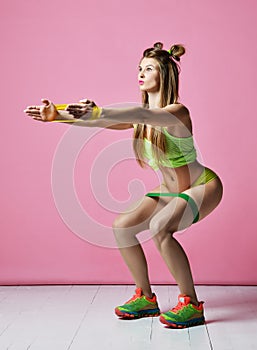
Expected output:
(78, 109)
(31, 107)
(88, 102)
(46, 102)
(35, 116)
(43, 112)
(85, 100)
(75, 109)
(40, 119)
(35, 110)
(75, 105)
(32, 110)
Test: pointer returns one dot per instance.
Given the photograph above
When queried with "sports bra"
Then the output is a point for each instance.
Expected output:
(179, 151)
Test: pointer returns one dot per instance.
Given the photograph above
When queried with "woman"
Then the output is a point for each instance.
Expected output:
(189, 192)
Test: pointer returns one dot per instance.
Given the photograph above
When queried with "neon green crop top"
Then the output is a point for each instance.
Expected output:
(179, 151)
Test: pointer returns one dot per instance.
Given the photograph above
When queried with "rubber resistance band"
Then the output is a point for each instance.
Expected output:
(96, 112)
(185, 196)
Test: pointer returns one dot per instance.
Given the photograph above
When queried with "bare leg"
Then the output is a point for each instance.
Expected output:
(178, 265)
(135, 259)
(125, 227)
(164, 224)
(175, 259)
(169, 248)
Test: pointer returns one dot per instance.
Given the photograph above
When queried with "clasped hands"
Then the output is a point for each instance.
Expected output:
(49, 112)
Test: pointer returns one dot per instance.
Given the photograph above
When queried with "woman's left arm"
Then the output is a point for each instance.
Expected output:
(167, 116)
(88, 114)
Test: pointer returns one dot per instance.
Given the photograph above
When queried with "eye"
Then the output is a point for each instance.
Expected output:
(148, 68)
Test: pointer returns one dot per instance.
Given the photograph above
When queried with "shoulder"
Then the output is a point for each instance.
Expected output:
(183, 115)
(179, 110)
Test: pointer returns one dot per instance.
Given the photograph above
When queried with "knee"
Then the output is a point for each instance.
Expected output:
(124, 235)
(161, 239)
(121, 227)
(119, 222)
(159, 225)
(159, 233)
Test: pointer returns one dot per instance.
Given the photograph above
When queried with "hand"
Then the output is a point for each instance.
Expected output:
(79, 109)
(44, 113)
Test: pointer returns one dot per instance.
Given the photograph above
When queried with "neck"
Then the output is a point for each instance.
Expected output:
(154, 99)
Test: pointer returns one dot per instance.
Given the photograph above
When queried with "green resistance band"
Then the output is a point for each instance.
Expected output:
(181, 195)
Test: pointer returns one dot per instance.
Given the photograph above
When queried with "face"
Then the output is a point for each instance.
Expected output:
(149, 75)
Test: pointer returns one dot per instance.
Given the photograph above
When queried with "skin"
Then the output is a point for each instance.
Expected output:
(163, 216)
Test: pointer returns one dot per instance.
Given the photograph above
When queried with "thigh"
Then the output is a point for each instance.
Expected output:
(207, 197)
(138, 215)
(177, 214)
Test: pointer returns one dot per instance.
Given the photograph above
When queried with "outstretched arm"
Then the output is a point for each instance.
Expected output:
(48, 112)
(170, 115)
(167, 116)
(109, 117)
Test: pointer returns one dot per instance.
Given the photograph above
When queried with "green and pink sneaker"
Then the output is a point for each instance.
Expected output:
(138, 306)
(184, 315)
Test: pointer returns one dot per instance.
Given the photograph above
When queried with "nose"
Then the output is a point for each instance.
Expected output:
(141, 74)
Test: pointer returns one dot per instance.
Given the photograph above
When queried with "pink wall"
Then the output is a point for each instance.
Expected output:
(69, 50)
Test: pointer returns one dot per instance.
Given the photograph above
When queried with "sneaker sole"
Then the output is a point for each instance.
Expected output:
(191, 323)
(140, 314)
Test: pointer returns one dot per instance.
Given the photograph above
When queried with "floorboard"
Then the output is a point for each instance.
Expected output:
(76, 317)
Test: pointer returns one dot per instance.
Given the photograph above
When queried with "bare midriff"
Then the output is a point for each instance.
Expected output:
(180, 179)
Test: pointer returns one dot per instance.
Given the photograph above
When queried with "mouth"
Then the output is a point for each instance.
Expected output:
(140, 82)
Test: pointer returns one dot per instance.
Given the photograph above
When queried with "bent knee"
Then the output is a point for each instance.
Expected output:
(124, 231)
(121, 221)
(161, 232)
(161, 238)
(157, 226)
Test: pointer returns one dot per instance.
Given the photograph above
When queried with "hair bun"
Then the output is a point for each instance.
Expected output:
(176, 51)
(158, 46)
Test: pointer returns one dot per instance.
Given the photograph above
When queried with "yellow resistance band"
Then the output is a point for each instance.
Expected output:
(61, 107)
(96, 112)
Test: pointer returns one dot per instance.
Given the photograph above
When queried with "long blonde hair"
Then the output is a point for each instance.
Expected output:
(169, 86)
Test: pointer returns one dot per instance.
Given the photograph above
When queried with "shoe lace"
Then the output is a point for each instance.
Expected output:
(178, 307)
(133, 299)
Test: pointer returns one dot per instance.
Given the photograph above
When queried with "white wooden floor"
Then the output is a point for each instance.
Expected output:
(77, 317)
